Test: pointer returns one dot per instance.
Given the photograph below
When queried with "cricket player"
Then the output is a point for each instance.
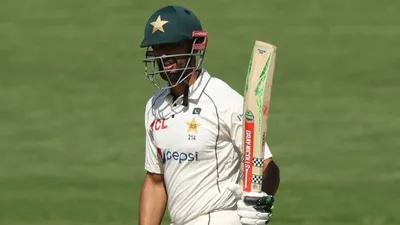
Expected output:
(194, 133)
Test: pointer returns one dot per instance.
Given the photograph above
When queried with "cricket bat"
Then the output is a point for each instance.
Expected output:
(257, 96)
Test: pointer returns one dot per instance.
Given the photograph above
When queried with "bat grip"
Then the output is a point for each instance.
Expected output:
(251, 200)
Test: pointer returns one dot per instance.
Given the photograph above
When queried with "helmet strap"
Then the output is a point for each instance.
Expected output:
(186, 93)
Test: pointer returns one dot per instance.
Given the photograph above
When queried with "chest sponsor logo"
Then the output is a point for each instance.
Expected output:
(180, 157)
(158, 125)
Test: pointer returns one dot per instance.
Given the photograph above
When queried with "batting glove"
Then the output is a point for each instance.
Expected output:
(253, 208)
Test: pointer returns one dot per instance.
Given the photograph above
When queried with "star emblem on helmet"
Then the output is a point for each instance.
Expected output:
(158, 24)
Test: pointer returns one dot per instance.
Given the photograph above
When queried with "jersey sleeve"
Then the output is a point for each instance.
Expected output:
(152, 160)
(236, 117)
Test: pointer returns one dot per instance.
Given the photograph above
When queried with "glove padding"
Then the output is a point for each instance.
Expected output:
(253, 208)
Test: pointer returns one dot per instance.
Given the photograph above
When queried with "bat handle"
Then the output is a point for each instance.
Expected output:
(251, 200)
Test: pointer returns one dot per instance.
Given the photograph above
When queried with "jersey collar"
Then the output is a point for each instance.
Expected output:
(197, 88)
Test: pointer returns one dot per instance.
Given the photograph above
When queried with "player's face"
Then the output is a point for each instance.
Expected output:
(174, 65)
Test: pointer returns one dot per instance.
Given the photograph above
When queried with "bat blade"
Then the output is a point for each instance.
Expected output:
(257, 96)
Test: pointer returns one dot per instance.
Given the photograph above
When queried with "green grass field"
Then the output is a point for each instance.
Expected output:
(73, 91)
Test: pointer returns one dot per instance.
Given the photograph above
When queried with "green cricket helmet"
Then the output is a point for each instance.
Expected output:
(171, 25)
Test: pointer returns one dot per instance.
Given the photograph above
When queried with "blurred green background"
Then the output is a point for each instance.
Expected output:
(73, 92)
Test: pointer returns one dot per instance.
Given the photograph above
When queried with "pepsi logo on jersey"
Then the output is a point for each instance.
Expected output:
(180, 157)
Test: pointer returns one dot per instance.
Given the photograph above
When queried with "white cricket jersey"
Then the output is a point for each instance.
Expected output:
(197, 148)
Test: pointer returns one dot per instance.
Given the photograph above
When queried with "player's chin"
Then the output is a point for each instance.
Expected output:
(173, 77)
(168, 76)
